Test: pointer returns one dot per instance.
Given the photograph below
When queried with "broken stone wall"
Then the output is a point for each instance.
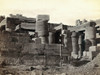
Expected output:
(11, 46)
(16, 49)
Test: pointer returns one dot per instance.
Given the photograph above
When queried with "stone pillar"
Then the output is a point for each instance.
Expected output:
(74, 45)
(80, 46)
(90, 34)
(44, 39)
(51, 37)
(65, 40)
(42, 28)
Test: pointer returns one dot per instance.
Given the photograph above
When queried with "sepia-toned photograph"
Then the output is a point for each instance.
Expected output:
(49, 37)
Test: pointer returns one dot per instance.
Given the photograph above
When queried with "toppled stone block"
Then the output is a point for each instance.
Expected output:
(92, 48)
(90, 55)
(87, 55)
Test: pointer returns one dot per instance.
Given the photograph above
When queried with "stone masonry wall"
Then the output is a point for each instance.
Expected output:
(16, 49)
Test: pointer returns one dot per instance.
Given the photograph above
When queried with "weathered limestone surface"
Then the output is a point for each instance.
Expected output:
(74, 45)
(51, 38)
(42, 28)
(47, 51)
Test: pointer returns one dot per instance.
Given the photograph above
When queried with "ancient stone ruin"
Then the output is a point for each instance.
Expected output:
(33, 46)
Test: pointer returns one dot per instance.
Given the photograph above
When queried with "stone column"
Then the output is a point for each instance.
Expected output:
(51, 37)
(80, 46)
(42, 28)
(44, 39)
(90, 41)
(74, 45)
(90, 34)
(65, 40)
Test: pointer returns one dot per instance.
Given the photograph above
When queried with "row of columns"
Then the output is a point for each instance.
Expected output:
(48, 37)
(90, 35)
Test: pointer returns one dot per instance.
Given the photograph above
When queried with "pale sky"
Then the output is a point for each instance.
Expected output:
(65, 11)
